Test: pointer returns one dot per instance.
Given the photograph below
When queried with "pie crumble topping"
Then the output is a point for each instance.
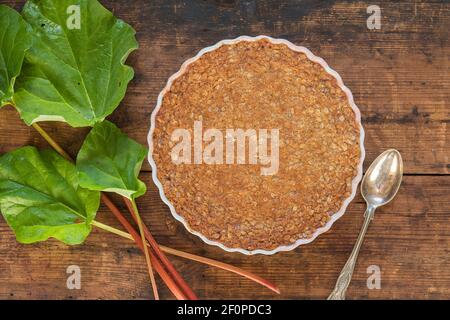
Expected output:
(253, 85)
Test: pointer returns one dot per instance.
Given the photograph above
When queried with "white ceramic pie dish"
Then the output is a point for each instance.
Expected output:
(340, 83)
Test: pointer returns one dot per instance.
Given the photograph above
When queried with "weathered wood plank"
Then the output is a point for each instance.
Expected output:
(398, 75)
(424, 145)
(399, 78)
(408, 240)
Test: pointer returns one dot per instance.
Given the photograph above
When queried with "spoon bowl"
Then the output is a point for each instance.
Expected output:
(383, 178)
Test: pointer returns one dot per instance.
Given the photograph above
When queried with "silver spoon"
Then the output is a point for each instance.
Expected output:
(379, 186)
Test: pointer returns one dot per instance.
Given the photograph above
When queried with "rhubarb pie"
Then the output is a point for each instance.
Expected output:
(293, 171)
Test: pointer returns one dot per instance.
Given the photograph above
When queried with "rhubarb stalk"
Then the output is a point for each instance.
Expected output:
(222, 265)
(177, 277)
(133, 235)
(146, 253)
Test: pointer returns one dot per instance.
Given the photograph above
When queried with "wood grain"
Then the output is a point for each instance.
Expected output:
(408, 240)
(399, 77)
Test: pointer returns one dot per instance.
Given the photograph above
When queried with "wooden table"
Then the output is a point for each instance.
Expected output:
(399, 76)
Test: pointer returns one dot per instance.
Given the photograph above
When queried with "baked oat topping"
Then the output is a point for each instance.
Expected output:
(252, 85)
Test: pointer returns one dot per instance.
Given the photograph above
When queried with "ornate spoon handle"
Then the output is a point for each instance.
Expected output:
(346, 274)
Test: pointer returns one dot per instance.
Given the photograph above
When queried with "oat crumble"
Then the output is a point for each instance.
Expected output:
(260, 85)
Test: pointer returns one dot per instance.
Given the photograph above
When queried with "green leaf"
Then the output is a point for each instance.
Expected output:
(70, 74)
(15, 39)
(40, 197)
(110, 161)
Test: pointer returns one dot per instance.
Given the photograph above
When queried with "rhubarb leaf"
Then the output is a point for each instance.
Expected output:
(110, 161)
(75, 71)
(15, 39)
(40, 197)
